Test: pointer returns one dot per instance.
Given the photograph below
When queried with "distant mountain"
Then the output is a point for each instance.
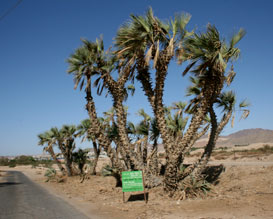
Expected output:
(250, 136)
(243, 137)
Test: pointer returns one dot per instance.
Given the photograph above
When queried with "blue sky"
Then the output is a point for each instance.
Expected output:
(37, 37)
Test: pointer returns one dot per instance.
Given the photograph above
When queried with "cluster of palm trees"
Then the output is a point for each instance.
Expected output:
(143, 49)
(64, 138)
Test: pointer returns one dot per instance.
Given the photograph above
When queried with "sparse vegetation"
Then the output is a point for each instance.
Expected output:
(110, 171)
(4, 161)
(265, 150)
(50, 174)
(24, 160)
(194, 188)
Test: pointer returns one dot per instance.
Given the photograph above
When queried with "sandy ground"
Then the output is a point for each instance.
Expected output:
(245, 190)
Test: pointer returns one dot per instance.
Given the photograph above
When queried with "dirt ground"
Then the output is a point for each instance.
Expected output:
(245, 190)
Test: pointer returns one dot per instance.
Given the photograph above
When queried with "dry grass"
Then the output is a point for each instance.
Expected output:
(264, 151)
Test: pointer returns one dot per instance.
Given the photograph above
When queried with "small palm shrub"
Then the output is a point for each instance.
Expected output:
(195, 187)
(80, 158)
(107, 170)
(50, 174)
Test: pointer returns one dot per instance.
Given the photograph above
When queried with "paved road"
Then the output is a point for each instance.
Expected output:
(23, 199)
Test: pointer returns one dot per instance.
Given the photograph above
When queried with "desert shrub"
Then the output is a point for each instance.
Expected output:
(241, 145)
(107, 170)
(199, 187)
(34, 165)
(50, 174)
(266, 149)
(182, 167)
(161, 155)
(221, 148)
(194, 187)
(25, 160)
(80, 158)
(12, 163)
(194, 149)
(46, 163)
(4, 161)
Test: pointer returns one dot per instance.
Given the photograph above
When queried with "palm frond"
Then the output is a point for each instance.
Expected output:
(237, 37)
(231, 75)
(243, 104)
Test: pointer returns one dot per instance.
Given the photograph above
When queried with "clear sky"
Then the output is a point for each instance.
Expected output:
(37, 37)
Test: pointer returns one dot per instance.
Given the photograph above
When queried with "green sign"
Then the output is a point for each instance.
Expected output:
(132, 181)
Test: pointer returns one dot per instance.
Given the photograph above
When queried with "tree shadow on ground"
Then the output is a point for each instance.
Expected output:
(138, 197)
(212, 173)
(9, 184)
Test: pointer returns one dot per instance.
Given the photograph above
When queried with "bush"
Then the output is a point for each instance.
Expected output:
(195, 188)
(266, 149)
(50, 174)
(46, 163)
(107, 171)
(25, 160)
(12, 163)
(110, 171)
(4, 161)
(161, 155)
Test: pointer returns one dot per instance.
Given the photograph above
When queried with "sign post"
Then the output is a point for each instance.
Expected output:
(133, 181)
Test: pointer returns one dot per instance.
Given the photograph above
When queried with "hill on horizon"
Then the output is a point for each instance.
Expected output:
(242, 137)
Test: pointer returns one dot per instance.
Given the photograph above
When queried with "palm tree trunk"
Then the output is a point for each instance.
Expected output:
(153, 164)
(117, 91)
(95, 161)
(209, 93)
(199, 167)
(139, 149)
(96, 128)
(121, 125)
(211, 143)
(201, 164)
(121, 152)
(68, 165)
(145, 150)
(196, 137)
(54, 157)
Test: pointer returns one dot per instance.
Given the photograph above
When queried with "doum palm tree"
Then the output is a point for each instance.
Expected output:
(90, 60)
(143, 43)
(47, 138)
(84, 131)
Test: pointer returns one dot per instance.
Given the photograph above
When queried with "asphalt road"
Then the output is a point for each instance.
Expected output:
(23, 199)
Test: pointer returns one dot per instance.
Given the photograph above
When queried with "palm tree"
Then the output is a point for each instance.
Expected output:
(84, 131)
(86, 62)
(143, 130)
(177, 123)
(89, 60)
(180, 107)
(68, 134)
(209, 54)
(113, 133)
(146, 38)
(48, 139)
(226, 101)
(80, 157)
(64, 138)
(154, 136)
